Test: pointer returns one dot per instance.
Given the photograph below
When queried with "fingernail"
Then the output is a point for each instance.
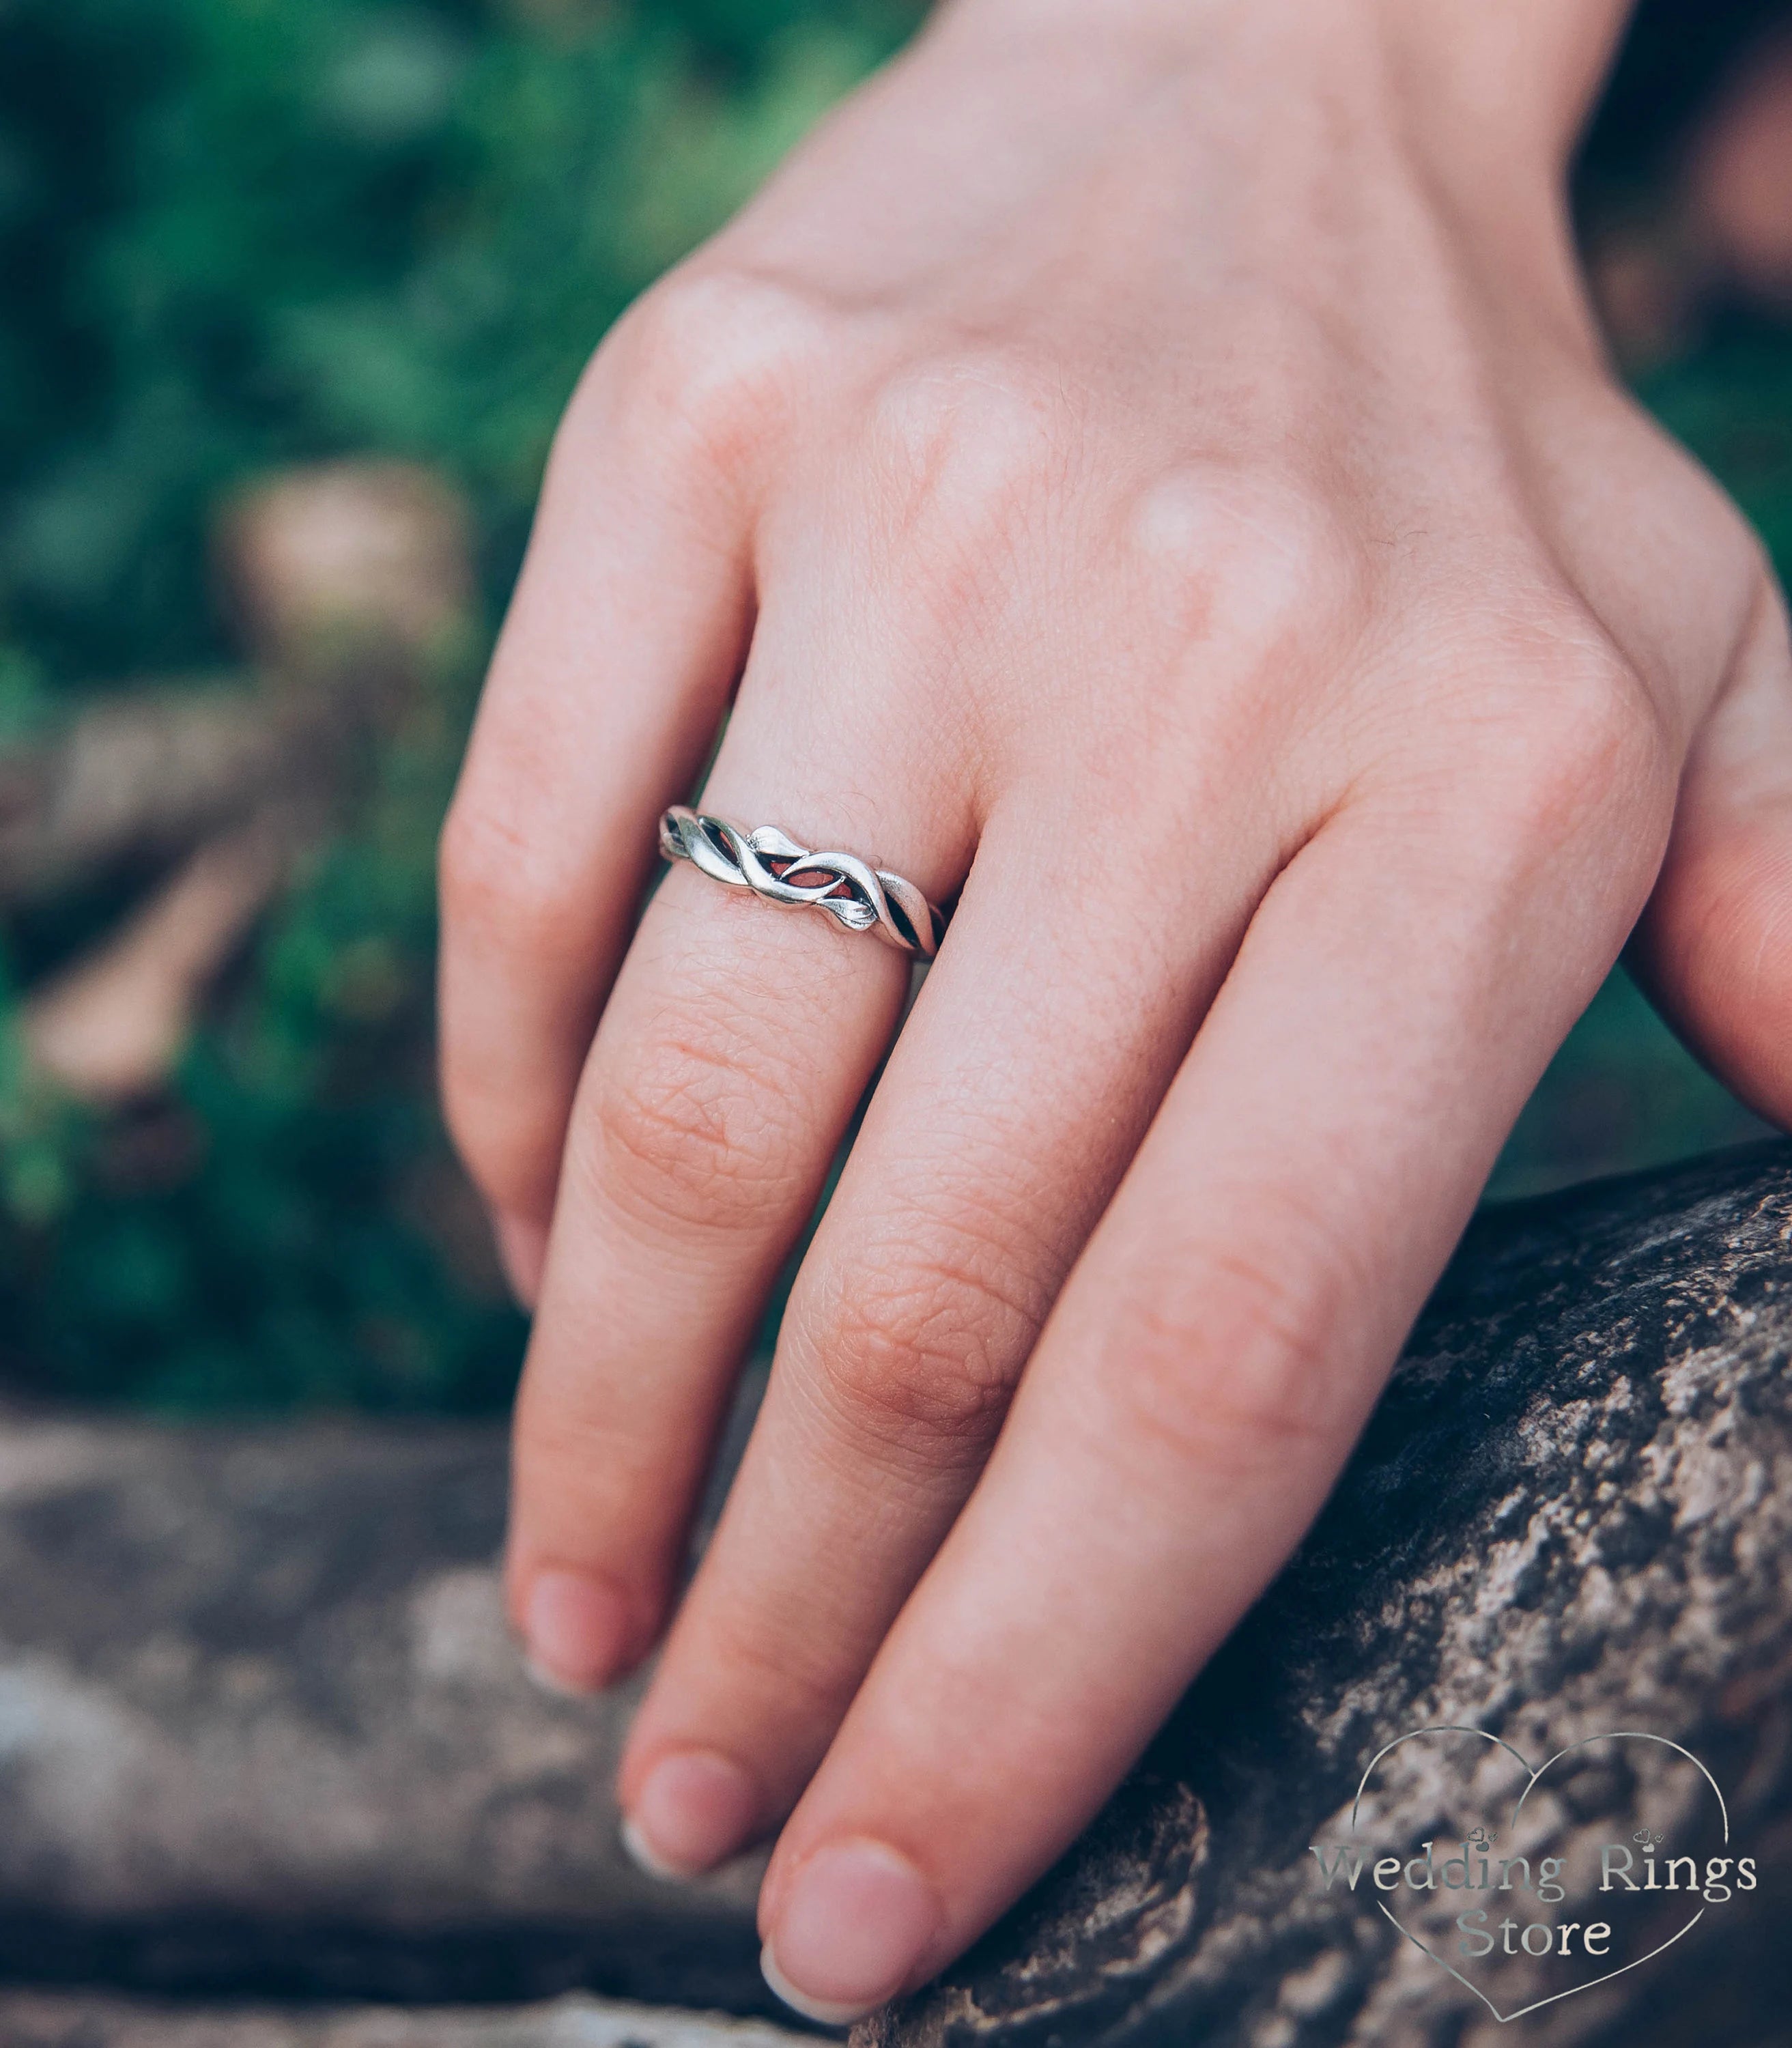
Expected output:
(523, 1251)
(857, 1921)
(575, 1630)
(694, 1809)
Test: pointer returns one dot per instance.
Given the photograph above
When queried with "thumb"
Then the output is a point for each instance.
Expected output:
(1714, 947)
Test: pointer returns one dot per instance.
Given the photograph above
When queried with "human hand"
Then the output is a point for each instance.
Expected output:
(1149, 464)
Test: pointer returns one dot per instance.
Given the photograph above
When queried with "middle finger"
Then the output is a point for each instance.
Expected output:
(1021, 1088)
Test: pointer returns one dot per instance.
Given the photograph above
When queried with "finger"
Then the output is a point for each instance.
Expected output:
(738, 1041)
(622, 644)
(1206, 1368)
(1715, 946)
(1020, 1088)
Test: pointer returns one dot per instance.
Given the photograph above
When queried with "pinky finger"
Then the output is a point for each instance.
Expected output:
(626, 635)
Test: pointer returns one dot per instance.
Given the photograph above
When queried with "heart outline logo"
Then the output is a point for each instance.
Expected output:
(1523, 1762)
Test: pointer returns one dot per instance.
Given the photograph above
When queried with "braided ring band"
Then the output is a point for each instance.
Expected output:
(862, 898)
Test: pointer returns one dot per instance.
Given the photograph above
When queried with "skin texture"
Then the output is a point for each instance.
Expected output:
(1150, 467)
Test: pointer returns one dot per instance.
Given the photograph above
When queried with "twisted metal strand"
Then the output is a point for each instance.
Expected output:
(862, 898)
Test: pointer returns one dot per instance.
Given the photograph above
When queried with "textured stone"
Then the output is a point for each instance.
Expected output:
(32, 2019)
(1572, 1513)
(263, 1732)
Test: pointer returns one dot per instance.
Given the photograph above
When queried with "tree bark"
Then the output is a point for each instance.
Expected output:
(1572, 1513)
(264, 1733)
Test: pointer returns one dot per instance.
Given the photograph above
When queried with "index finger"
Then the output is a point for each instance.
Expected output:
(1198, 1389)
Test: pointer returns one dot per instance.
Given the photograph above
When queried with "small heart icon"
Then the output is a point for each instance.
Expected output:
(1538, 1881)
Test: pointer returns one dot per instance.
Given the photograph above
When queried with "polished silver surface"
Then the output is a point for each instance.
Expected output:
(862, 898)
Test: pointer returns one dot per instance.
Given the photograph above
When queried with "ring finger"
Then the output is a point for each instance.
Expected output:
(736, 1046)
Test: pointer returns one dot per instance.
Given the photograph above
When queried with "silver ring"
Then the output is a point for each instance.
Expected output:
(862, 898)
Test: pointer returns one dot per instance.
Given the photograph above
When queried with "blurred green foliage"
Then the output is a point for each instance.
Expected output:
(239, 234)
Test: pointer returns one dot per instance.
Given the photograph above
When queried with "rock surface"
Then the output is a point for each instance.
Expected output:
(32, 2019)
(263, 1733)
(1571, 1515)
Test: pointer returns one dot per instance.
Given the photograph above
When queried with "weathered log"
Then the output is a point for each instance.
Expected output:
(263, 1734)
(1571, 1514)
(37, 2019)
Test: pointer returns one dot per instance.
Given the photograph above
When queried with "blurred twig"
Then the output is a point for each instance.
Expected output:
(111, 1028)
(142, 779)
(343, 580)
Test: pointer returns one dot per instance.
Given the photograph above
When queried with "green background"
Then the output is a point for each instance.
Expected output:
(237, 235)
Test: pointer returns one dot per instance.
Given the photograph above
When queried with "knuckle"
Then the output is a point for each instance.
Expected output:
(769, 1651)
(1228, 1368)
(920, 1354)
(969, 444)
(705, 360)
(679, 1135)
(1250, 560)
(1582, 748)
